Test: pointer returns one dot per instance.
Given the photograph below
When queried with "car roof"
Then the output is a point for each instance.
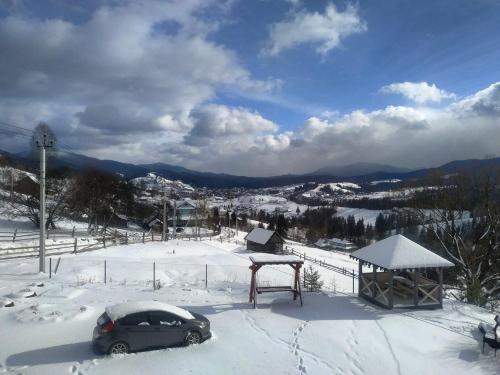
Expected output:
(120, 310)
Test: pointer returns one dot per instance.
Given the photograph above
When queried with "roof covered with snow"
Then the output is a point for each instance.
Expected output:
(275, 259)
(259, 235)
(398, 252)
(123, 309)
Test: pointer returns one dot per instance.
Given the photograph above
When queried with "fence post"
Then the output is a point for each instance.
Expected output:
(75, 246)
(143, 235)
(154, 275)
(50, 268)
(105, 272)
(57, 265)
(126, 238)
(353, 281)
(305, 277)
(15, 234)
(73, 232)
(104, 240)
(206, 275)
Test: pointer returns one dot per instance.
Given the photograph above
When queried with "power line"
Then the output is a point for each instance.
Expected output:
(28, 133)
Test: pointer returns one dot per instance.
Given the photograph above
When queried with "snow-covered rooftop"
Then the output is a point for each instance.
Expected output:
(259, 235)
(398, 252)
(276, 259)
(123, 309)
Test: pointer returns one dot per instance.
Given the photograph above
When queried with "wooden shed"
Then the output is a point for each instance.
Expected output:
(264, 241)
(403, 274)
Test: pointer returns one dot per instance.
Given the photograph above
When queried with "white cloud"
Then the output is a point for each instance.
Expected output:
(119, 72)
(323, 29)
(418, 92)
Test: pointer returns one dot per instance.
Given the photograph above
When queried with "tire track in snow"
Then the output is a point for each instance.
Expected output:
(396, 361)
(352, 346)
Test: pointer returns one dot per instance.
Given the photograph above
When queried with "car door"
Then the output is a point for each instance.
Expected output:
(138, 330)
(168, 329)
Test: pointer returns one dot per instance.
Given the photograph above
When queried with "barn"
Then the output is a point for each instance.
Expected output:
(264, 241)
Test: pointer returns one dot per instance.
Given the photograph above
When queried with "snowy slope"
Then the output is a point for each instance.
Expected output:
(333, 333)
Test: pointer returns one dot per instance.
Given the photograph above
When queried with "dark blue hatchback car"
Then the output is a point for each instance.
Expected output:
(136, 326)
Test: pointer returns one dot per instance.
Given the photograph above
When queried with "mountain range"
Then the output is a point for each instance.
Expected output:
(359, 172)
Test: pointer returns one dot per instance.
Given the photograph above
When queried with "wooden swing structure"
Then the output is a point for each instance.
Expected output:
(260, 260)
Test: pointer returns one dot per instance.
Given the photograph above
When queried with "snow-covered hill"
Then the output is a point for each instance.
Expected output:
(154, 182)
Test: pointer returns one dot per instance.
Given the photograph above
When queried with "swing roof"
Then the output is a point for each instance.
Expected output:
(398, 252)
(274, 259)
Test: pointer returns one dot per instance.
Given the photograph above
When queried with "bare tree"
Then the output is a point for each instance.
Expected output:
(463, 214)
(25, 200)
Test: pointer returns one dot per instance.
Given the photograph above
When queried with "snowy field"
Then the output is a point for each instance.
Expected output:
(333, 333)
(368, 216)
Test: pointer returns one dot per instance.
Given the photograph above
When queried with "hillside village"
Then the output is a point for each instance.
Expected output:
(203, 263)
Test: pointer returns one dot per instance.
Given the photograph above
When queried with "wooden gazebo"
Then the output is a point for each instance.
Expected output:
(260, 260)
(410, 276)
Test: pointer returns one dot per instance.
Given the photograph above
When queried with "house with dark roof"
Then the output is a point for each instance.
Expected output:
(264, 241)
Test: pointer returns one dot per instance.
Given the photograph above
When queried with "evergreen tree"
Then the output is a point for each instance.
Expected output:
(380, 226)
(312, 280)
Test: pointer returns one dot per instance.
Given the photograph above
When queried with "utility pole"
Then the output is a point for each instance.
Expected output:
(164, 233)
(196, 222)
(42, 142)
(236, 218)
(175, 219)
(11, 183)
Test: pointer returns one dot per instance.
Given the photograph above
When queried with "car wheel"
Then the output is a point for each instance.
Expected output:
(118, 348)
(193, 338)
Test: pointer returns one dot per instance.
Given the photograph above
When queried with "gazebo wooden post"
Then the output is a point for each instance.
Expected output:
(440, 292)
(415, 287)
(391, 289)
(360, 277)
(374, 290)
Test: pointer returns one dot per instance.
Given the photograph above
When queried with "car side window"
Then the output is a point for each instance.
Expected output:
(162, 318)
(135, 319)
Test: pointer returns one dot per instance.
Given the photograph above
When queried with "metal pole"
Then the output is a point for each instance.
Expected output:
(164, 233)
(175, 220)
(105, 272)
(154, 275)
(50, 268)
(206, 275)
(353, 281)
(41, 267)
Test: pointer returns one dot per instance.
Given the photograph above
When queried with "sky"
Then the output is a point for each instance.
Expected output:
(258, 88)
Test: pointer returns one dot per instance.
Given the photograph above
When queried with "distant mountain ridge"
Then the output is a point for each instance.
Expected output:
(359, 169)
(220, 180)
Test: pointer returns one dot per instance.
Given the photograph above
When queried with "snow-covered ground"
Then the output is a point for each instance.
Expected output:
(333, 333)
(368, 216)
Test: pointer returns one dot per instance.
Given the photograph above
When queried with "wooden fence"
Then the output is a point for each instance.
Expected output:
(319, 262)
(20, 235)
(110, 237)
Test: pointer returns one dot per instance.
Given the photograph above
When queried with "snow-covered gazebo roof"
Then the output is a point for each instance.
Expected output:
(398, 252)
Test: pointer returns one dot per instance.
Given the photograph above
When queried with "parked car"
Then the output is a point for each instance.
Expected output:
(136, 326)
